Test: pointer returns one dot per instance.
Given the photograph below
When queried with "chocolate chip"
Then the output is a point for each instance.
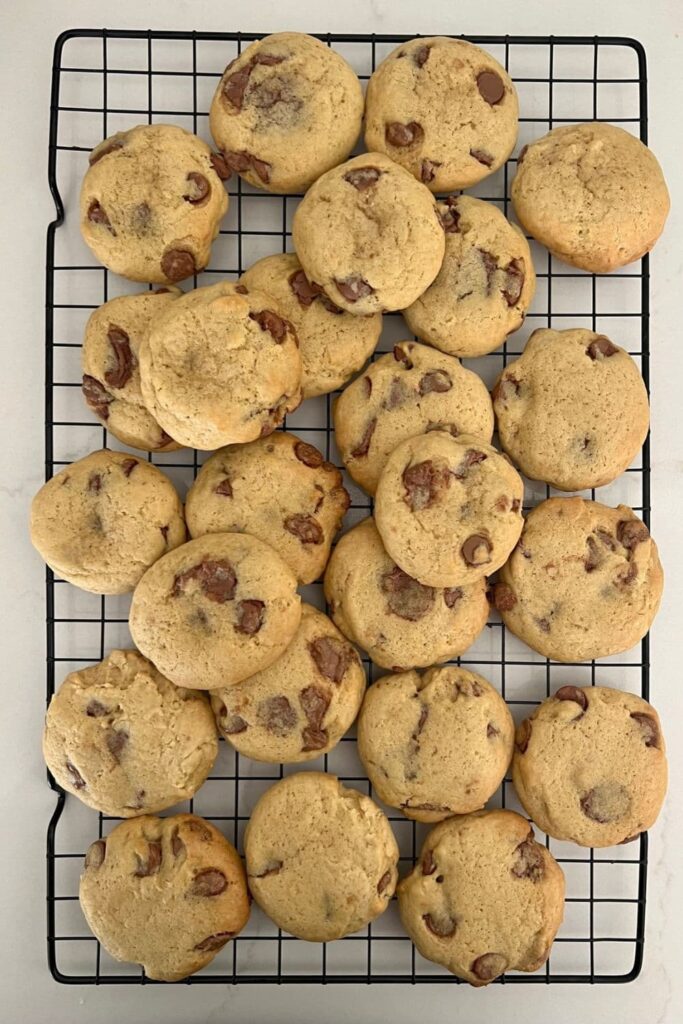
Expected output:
(575, 694)
(442, 926)
(95, 483)
(277, 715)
(249, 617)
(305, 291)
(489, 966)
(367, 386)
(354, 288)
(151, 864)
(97, 215)
(648, 727)
(164, 439)
(330, 306)
(224, 488)
(606, 802)
(522, 154)
(438, 808)
(273, 867)
(405, 596)
(472, 458)
(116, 740)
(331, 656)
(402, 135)
(523, 735)
(262, 169)
(492, 731)
(452, 595)
(606, 537)
(528, 860)
(490, 267)
(424, 483)
(601, 348)
(428, 170)
(216, 579)
(235, 85)
(421, 722)
(96, 709)
(450, 428)
(201, 189)
(95, 854)
(164, 533)
(102, 151)
(128, 465)
(177, 264)
(306, 528)
(514, 281)
(308, 454)
(362, 178)
(383, 882)
(231, 725)
(97, 397)
(428, 863)
(362, 449)
(119, 376)
(491, 87)
(450, 218)
(421, 55)
(482, 157)
(398, 394)
(401, 356)
(594, 558)
(220, 166)
(209, 882)
(141, 217)
(237, 161)
(507, 387)
(543, 625)
(315, 703)
(77, 780)
(629, 839)
(213, 942)
(476, 550)
(631, 532)
(241, 289)
(177, 845)
(271, 322)
(436, 380)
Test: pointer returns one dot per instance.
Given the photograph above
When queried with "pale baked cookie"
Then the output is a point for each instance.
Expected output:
(111, 374)
(485, 285)
(334, 344)
(484, 898)
(584, 581)
(102, 521)
(281, 490)
(591, 193)
(448, 509)
(443, 109)
(220, 366)
(125, 740)
(286, 110)
(437, 744)
(572, 410)
(215, 611)
(407, 392)
(321, 859)
(165, 893)
(300, 707)
(590, 765)
(151, 203)
(398, 621)
(369, 235)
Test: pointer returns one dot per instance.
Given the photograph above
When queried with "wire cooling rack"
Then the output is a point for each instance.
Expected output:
(104, 81)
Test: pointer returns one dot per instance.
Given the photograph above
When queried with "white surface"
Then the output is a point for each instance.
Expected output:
(27, 993)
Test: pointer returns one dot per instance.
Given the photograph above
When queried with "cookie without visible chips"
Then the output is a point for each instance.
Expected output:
(590, 765)
(165, 893)
(125, 740)
(215, 611)
(151, 203)
(321, 859)
(437, 744)
(401, 394)
(101, 522)
(484, 898)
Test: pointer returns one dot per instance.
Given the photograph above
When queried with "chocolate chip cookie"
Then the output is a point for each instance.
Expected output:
(590, 765)
(485, 285)
(220, 366)
(443, 109)
(165, 893)
(437, 744)
(369, 235)
(401, 623)
(152, 202)
(215, 611)
(448, 509)
(111, 374)
(573, 410)
(321, 859)
(334, 344)
(281, 490)
(591, 193)
(125, 740)
(301, 706)
(484, 898)
(584, 581)
(101, 522)
(286, 110)
(406, 392)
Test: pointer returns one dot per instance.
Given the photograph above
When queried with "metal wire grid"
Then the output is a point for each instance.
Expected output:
(105, 81)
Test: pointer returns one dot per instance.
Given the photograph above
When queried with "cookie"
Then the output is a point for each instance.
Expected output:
(443, 109)
(165, 893)
(321, 859)
(572, 410)
(125, 740)
(369, 235)
(437, 744)
(281, 490)
(584, 581)
(286, 110)
(485, 285)
(334, 344)
(101, 522)
(220, 366)
(300, 707)
(407, 392)
(398, 621)
(215, 611)
(111, 374)
(448, 509)
(591, 193)
(590, 765)
(484, 898)
(151, 203)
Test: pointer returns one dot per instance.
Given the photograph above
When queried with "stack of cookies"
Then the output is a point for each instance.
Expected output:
(225, 647)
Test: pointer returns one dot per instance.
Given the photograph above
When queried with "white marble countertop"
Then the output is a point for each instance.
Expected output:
(28, 995)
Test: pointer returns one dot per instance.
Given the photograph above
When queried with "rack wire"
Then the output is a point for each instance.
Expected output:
(108, 80)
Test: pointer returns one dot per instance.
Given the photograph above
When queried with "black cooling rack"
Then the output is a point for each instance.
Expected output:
(108, 80)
